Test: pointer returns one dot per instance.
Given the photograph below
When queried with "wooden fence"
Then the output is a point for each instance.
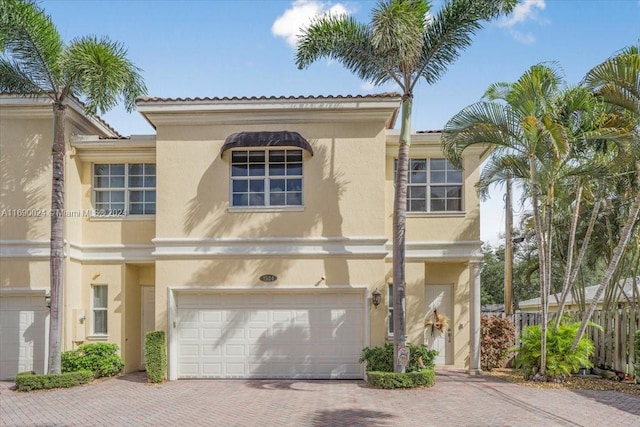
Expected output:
(613, 344)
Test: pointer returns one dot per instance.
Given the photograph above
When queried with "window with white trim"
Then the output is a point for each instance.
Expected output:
(271, 177)
(99, 303)
(434, 185)
(124, 189)
(390, 310)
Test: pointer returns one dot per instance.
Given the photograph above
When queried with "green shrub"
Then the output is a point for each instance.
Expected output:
(27, 381)
(497, 336)
(155, 356)
(637, 355)
(560, 362)
(380, 359)
(391, 380)
(100, 358)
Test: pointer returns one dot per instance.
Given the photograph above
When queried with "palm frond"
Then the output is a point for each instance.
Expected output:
(450, 31)
(99, 71)
(480, 123)
(617, 79)
(31, 40)
(397, 29)
(15, 79)
(342, 39)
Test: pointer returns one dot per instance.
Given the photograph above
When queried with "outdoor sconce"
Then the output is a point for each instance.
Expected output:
(376, 298)
(47, 301)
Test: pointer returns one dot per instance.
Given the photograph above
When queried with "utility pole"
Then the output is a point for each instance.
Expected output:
(508, 253)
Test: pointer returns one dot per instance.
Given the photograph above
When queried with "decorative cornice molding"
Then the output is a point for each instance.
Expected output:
(365, 247)
(466, 250)
(31, 249)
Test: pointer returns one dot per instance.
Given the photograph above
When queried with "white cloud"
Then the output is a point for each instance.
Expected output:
(290, 24)
(524, 11)
(367, 86)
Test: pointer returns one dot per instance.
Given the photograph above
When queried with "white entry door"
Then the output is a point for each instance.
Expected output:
(270, 334)
(442, 297)
(22, 334)
(148, 309)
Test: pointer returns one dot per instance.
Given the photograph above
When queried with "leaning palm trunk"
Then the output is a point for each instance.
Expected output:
(613, 265)
(583, 250)
(399, 217)
(570, 249)
(57, 240)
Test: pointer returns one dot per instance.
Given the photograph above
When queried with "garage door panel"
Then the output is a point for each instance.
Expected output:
(22, 334)
(306, 335)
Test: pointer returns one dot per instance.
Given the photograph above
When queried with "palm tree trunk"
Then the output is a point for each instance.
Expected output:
(613, 265)
(573, 271)
(399, 214)
(541, 261)
(57, 239)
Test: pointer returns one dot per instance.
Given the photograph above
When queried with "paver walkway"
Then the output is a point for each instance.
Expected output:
(456, 400)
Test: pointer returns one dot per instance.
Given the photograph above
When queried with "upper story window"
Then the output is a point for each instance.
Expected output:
(271, 177)
(435, 185)
(124, 189)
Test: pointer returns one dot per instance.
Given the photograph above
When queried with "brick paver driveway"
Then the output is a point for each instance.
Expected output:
(456, 400)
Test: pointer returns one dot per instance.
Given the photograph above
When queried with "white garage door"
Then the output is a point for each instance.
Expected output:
(22, 334)
(316, 335)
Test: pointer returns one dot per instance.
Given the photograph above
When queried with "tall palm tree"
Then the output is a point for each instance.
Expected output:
(35, 62)
(617, 81)
(401, 44)
(532, 125)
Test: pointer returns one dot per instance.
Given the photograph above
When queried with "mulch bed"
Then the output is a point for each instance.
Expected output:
(585, 382)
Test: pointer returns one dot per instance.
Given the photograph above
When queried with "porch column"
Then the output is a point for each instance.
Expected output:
(474, 321)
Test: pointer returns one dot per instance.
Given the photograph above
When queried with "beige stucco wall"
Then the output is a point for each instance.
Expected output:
(348, 192)
(341, 194)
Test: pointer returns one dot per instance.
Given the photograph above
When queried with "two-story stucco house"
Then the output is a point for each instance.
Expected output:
(254, 231)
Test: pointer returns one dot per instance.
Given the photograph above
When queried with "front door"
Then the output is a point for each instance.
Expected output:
(440, 298)
(148, 321)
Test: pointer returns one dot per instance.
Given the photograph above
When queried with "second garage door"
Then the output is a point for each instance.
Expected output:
(270, 334)
(22, 334)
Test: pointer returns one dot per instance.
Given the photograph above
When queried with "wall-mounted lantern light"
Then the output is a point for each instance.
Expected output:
(47, 301)
(376, 298)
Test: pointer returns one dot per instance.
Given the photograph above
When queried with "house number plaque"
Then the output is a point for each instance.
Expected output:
(268, 278)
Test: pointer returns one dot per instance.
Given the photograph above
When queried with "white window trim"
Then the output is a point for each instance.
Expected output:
(267, 208)
(429, 185)
(95, 334)
(115, 215)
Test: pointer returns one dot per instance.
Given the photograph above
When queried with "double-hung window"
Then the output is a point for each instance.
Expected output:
(435, 185)
(99, 309)
(270, 177)
(124, 189)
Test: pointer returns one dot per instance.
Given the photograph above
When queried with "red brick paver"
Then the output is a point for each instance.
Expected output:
(456, 400)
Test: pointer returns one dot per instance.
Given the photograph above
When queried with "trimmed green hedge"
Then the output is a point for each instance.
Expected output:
(27, 381)
(391, 380)
(637, 358)
(380, 359)
(102, 358)
(155, 356)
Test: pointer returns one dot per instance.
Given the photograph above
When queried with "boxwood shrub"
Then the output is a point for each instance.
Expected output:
(155, 356)
(380, 359)
(27, 381)
(391, 380)
(100, 358)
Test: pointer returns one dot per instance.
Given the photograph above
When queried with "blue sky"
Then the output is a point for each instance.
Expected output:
(245, 48)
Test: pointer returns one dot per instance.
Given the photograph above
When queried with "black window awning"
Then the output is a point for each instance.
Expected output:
(266, 139)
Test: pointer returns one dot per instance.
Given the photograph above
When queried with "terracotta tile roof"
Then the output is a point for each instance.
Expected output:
(430, 131)
(266, 98)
